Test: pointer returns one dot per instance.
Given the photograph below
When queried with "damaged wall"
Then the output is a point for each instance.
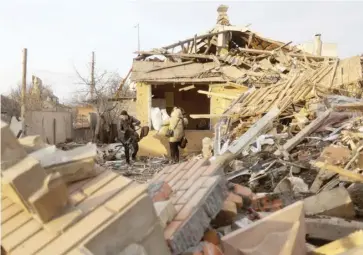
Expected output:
(54, 127)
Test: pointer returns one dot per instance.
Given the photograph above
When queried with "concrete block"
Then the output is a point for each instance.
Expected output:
(285, 235)
(11, 150)
(32, 143)
(335, 202)
(50, 199)
(165, 211)
(111, 238)
(75, 171)
(330, 228)
(22, 180)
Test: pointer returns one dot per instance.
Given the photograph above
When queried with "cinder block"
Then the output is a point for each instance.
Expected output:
(11, 150)
(22, 180)
(165, 211)
(335, 202)
(49, 201)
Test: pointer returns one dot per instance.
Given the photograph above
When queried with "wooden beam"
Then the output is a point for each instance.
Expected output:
(187, 88)
(181, 55)
(195, 43)
(122, 83)
(171, 66)
(354, 177)
(349, 106)
(208, 116)
(193, 38)
(218, 94)
(290, 144)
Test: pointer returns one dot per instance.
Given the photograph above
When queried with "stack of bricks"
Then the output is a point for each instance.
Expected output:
(26, 183)
(197, 192)
(108, 214)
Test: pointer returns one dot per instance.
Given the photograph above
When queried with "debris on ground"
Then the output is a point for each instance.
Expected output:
(282, 175)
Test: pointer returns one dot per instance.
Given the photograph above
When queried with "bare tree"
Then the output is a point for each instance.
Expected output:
(34, 100)
(106, 87)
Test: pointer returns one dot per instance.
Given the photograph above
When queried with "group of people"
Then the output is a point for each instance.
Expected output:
(128, 136)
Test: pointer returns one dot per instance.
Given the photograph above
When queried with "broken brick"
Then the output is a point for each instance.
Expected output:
(236, 199)
(212, 236)
(159, 191)
(204, 248)
(242, 191)
(267, 203)
(227, 214)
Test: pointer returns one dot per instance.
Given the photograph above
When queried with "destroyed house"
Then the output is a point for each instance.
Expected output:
(209, 74)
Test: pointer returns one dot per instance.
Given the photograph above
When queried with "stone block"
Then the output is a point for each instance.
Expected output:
(32, 143)
(111, 238)
(331, 228)
(285, 235)
(23, 179)
(335, 203)
(75, 171)
(159, 191)
(11, 150)
(165, 211)
(50, 199)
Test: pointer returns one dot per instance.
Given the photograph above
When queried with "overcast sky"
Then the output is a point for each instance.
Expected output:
(61, 34)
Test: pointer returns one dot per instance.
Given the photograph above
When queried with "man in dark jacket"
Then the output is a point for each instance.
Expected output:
(127, 134)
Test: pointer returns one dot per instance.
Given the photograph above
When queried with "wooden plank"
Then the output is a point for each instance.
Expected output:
(251, 134)
(338, 170)
(217, 94)
(187, 88)
(209, 116)
(290, 144)
(171, 66)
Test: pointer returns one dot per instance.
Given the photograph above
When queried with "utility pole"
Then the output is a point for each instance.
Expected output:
(93, 75)
(23, 89)
(138, 36)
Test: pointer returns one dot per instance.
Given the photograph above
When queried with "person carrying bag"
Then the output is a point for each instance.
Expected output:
(176, 133)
